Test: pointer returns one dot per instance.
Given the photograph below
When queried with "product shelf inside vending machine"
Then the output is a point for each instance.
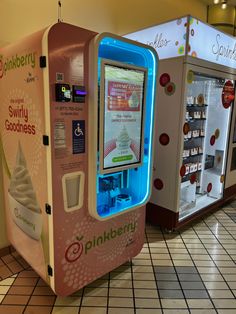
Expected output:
(203, 153)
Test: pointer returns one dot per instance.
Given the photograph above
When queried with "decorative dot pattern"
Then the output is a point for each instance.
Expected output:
(182, 170)
(158, 184)
(164, 139)
(212, 140)
(209, 187)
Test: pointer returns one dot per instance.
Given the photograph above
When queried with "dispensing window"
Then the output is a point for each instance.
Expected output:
(73, 190)
(121, 116)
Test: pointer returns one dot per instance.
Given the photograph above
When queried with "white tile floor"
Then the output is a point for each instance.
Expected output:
(189, 271)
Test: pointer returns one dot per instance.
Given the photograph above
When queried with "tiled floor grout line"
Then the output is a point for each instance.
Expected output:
(197, 268)
(15, 260)
(234, 237)
(132, 282)
(81, 300)
(9, 288)
(203, 220)
(27, 303)
(153, 269)
(108, 291)
(226, 281)
(226, 253)
(192, 241)
(178, 233)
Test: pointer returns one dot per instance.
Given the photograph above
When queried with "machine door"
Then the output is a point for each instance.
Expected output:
(208, 103)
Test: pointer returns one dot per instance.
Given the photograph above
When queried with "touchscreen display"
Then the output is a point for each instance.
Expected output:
(122, 115)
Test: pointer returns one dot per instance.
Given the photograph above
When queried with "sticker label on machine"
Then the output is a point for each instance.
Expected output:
(78, 136)
(123, 116)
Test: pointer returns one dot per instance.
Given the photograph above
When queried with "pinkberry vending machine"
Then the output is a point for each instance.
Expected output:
(76, 120)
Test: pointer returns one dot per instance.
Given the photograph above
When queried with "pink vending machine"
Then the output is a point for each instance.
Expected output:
(76, 123)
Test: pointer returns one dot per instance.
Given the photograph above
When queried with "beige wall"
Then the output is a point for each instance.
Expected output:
(131, 15)
(19, 18)
(3, 237)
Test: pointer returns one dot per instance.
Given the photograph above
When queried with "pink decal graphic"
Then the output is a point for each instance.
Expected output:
(74, 251)
(227, 94)
(182, 171)
(194, 54)
(164, 79)
(209, 187)
(170, 88)
(158, 184)
(164, 139)
(212, 140)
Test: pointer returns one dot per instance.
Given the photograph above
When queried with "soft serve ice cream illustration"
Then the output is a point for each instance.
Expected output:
(24, 207)
(123, 139)
(134, 100)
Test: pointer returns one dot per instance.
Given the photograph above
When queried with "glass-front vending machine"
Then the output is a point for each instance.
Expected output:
(76, 123)
(193, 172)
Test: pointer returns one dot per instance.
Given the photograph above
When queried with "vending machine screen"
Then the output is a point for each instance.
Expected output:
(121, 116)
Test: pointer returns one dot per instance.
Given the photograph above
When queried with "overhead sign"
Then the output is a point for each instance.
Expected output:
(169, 39)
(208, 43)
(202, 41)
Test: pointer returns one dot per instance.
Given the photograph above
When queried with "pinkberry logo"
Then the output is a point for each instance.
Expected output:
(16, 61)
(75, 249)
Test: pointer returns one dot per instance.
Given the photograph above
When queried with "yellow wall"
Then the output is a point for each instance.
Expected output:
(20, 18)
(3, 237)
(131, 15)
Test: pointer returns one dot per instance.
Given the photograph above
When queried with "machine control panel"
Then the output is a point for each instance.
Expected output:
(63, 92)
(78, 93)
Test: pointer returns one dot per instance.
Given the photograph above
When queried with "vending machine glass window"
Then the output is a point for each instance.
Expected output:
(121, 116)
(206, 128)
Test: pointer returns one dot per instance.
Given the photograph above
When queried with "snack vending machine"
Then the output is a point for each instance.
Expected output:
(193, 171)
(76, 118)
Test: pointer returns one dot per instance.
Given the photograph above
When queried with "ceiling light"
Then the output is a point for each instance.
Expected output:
(216, 1)
(224, 5)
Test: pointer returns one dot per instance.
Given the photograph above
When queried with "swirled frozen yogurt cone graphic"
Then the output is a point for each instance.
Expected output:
(133, 100)
(123, 139)
(24, 207)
